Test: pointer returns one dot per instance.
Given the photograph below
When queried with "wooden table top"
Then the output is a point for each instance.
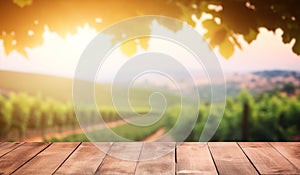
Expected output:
(183, 158)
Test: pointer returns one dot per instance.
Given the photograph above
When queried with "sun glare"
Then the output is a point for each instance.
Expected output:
(59, 56)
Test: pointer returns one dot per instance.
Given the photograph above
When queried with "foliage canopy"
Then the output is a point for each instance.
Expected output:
(22, 22)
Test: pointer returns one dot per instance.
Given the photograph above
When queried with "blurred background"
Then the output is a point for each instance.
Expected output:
(256, 42)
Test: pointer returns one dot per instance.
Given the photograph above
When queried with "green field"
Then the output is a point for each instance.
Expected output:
(59, 88)
(269, 116)
(37, 102)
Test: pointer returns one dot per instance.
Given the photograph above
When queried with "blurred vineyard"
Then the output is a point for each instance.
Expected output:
(23, 116)
(271, 116)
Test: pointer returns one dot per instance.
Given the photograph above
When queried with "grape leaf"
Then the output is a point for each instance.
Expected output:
(22, 3)
(286, 37)
(144, 42)
(210, 25)
(226, 48)
(129, 48)
(251, 36)
(296, 47)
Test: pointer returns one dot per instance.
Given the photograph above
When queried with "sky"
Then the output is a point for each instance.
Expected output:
(267, 52)
(58, 56)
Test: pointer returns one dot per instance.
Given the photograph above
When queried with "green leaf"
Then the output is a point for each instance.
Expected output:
(251, 36)
(286, 37)
(22, 3)
(144, 42)
(189, 20)
(218, 37)
(187, 14)
(226, 48)
(129, 48)
(210, 25)
(168, 24)
(296, 47)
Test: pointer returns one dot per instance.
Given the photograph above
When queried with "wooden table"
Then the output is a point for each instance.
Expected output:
(185, 158)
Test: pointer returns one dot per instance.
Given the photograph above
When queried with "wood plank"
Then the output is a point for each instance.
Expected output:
(50, 159)
(16, 158)
(266, 159)
(157, 158)
(290, 150)
(86, 158)
(112, 164)
(194, 158)
(230, 159)
(6, 147)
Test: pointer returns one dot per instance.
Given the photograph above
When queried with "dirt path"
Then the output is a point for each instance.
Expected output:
(160, 132)
(63, 134)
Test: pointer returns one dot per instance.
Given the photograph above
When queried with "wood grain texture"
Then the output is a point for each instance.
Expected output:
(230, 159)
(194, 158)
(16, 158)
(6, 147)
(150, 158)
(290, 150)
(50, 159)
(86, 159)
(157, 158)
(112, 164)
(266, 159)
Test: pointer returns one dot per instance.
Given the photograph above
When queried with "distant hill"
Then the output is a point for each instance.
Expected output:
(60, 88)
(256, 82)
(277, 73)
(49, 86)
(262, 81)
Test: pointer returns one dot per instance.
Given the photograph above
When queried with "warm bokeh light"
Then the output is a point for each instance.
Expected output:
(59, 56)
